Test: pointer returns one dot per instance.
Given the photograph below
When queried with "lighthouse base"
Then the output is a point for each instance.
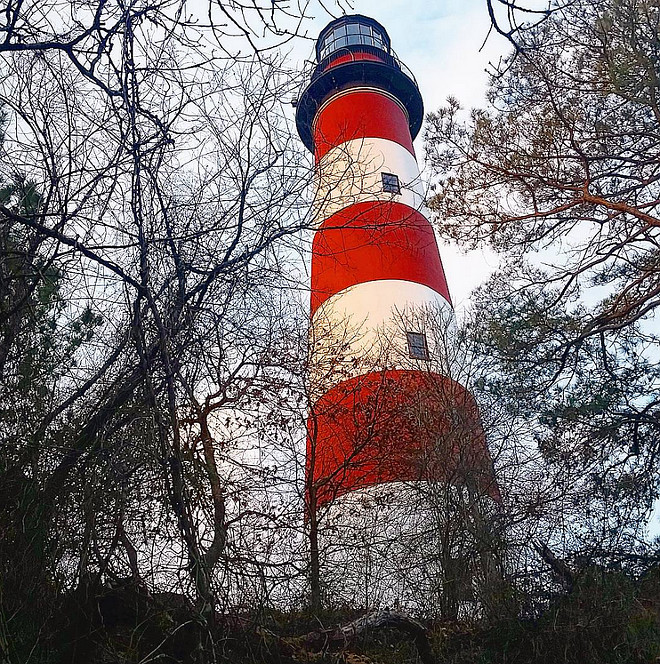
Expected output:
(423, 547)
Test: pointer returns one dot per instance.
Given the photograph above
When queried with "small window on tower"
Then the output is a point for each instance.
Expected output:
(391, 183)
(417, 346)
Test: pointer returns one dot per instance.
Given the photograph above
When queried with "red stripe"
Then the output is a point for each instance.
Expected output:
(396, 426)
(360, 114)
(374, 240)
(353, 57)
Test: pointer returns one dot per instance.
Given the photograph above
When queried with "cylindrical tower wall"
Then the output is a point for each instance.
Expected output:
(389, 412)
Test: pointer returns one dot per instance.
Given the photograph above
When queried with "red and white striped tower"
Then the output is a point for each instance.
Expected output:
(389, 411)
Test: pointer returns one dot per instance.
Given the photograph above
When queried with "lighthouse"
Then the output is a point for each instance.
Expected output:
(394, 437)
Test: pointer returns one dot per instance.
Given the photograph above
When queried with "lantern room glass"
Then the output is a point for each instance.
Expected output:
(352, 34)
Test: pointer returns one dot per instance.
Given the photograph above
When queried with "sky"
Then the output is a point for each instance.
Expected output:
(441, 42)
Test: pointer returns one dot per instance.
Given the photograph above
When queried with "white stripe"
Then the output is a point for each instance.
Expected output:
(363, 329)
(383, 544)
(351, 173)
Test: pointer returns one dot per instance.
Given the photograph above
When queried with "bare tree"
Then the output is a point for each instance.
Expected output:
(143, 271)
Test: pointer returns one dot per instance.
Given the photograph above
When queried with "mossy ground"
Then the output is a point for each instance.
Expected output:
(607, 619)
